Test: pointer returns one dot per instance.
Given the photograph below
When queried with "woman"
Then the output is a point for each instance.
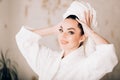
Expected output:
(72, 63)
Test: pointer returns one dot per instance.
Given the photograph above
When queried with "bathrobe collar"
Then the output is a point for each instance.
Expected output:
(78, 53)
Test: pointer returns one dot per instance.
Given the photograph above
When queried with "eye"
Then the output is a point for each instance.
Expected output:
(61, 30)
(71, 32)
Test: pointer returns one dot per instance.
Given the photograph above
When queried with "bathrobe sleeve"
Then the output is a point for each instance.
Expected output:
(102, 61)
(33, 52)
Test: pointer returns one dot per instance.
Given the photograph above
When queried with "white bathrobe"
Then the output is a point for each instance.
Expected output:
(49, 65)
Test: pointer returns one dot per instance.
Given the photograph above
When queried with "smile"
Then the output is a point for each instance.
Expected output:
(63, 42)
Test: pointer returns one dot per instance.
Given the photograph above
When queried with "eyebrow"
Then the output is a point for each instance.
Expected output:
(68, 28)
(71, 29)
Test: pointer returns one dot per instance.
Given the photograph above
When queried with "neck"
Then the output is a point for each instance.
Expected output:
(66, 52)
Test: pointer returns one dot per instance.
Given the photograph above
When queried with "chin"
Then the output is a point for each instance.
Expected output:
(63, 47)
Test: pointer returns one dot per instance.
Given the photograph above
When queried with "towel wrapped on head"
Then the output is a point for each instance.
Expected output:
(78, 9)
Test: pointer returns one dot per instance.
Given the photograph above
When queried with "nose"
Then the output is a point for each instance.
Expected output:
(64, 35)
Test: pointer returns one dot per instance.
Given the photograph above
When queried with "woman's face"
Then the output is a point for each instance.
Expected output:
(69, 35)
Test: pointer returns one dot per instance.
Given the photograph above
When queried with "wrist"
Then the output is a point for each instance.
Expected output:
(89, 32)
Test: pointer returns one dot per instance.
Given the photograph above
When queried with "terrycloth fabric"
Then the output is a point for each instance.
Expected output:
(49, 65)
(78, 8)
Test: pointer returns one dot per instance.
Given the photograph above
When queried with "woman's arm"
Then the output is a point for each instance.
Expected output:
(45, 31)
(104, 58)
(28, 43)
(48, 30)
(89, 32)
(96, 37)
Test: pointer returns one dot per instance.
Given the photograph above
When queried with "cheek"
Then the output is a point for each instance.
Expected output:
(74, 39)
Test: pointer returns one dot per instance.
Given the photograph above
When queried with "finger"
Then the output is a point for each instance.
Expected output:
(85, 14)
(89, 18)
(80, 21)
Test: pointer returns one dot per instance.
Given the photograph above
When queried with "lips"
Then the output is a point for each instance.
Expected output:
(63, 42)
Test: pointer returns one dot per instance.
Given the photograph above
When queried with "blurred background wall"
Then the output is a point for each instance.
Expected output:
(42, 13)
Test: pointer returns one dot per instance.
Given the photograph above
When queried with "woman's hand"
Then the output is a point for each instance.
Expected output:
(88, 18)
(89, 32)
(48, 30)
(87, 23)
(57, 27)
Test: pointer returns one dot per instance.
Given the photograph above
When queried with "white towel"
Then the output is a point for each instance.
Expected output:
(77, 8)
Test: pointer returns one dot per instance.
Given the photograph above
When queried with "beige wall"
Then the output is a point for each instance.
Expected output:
(4, 25)
(40, 13)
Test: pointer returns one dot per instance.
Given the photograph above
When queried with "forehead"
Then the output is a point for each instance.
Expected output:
(70, 23)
